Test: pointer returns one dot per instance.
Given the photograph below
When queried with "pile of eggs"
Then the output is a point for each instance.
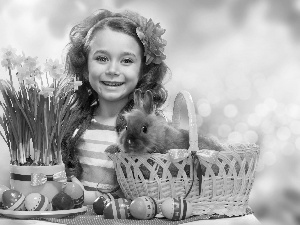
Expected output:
(143, 208)
(72, 196)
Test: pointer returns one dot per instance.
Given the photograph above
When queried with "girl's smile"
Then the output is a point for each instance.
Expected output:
(112, 84)
(114, 63)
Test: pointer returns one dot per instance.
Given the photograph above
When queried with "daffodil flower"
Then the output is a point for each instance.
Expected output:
(37, 73)
(47, 91)
(22, 73)
(8, 57)
(30, 63)
(6, 63)
(58, 87)
(55, 69)
(18, 60)
(9, 53)
(30, 81)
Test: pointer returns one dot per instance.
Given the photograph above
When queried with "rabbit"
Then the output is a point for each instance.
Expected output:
(147, 132)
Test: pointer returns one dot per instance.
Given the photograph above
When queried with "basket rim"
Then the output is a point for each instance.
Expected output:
(185, 96)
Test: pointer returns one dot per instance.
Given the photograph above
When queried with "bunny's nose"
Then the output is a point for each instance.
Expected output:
(130, 143)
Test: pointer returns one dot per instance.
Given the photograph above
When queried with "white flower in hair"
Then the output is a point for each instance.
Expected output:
(150, 35)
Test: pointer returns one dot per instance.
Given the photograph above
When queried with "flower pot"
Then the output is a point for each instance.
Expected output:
(46, 180)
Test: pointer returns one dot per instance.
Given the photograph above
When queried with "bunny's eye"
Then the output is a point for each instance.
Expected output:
(125, 127)
(144, 129)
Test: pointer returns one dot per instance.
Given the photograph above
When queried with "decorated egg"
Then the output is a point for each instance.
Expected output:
(117, 209)
(2, 189)
(100, 203)
(176, 209)
(62, 201)
(143, 208)
(76, 193)
(37, 202)
(13, 200)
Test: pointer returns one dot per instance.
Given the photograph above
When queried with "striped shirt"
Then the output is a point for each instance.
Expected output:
(98, 169)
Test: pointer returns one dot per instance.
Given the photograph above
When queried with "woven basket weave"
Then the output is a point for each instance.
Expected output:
(226, 177)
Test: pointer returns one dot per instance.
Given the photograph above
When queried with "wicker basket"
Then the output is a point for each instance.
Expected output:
(214, 182)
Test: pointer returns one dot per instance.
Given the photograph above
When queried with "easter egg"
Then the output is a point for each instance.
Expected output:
(117, 209)
(13, 200)
(62, 201)
(100, 203)
(176, 209)
(37, 202)
(2, 189)
(143, 208)
(75, 192)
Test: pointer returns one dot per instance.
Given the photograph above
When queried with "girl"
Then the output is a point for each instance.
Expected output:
(112, 54)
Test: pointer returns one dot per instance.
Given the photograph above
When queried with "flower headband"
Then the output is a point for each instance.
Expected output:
(150, 35)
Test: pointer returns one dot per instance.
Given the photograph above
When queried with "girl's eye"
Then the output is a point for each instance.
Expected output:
(102, 58)
(127, 61)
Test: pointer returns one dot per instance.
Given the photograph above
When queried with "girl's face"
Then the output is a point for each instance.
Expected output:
(114, 63)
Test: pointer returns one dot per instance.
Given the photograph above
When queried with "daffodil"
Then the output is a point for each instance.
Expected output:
(47, 91)
(30, 81)
(54, 68)
(5, 63)
(37, 73)
(30, 63)
(8, 57)
(36, 110)
(8, 53)
(22, 73)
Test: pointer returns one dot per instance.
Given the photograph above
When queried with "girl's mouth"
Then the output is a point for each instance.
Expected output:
(112, 84)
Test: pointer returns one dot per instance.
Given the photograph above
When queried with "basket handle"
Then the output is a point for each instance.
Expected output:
(193, 132)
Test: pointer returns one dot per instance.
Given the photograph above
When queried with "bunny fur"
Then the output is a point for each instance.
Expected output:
(148, 133)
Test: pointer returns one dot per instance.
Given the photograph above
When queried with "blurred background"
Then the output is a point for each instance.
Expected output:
(239, 59)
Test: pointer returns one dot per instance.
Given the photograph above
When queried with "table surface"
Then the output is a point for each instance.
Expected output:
(245, 220)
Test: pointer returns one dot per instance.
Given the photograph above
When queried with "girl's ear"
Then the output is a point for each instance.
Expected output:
(137, 98)
(148, 102)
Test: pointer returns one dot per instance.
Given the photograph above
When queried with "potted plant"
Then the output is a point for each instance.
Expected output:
(34, 120)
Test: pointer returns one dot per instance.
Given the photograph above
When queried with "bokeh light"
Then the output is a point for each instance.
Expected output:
(230, 110)
(224, 130)
(283, 133)
(204, 108)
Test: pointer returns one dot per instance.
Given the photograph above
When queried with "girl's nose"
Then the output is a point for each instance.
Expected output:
(113, 69)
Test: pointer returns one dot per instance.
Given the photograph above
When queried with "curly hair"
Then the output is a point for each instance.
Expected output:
(151, 77)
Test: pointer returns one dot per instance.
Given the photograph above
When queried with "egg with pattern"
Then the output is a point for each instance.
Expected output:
(62, 201)
(117, 209)
(176, 209)
(75, 192)
(37, 202)
(2, 189)
(101, 202)
(13, 200)
(143, 208)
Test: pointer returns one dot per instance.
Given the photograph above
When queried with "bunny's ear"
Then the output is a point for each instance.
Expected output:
(148, 102)
(137, 98)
